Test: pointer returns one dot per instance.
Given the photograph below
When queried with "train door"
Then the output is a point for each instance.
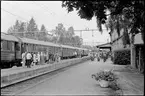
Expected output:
(17, 53)
(23, 48)
(61, 52)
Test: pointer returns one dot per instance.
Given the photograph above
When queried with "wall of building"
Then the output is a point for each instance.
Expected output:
(116, 40)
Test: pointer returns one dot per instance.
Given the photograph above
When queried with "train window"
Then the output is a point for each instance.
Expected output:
(34, 47)
(39, 48)
(17, 47)
(4, 43)
(25, 47)
(12, 44)
(43, 48)
(1, 44)
(29, 47)
(9, 45)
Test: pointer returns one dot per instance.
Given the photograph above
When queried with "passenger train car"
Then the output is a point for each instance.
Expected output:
(12, 48)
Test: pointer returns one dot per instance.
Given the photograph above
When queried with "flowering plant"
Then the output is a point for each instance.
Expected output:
(105, 75)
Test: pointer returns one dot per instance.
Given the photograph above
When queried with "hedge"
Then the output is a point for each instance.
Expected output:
(122, 57)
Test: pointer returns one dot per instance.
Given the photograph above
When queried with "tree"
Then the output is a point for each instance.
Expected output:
(66, 36)
(69, 36)
(77, 41)
(17, 26)
(10, 30)
(70, 32)
(17, 29)
(60, 33)
(32, 29)
(22, 29)
(125, 38)
(60, 30)
(43, 33)
(133, 10)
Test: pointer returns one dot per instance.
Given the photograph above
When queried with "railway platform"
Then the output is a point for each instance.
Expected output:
(18, 74)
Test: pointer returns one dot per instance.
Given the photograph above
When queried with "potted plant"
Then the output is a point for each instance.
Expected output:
(105, 78)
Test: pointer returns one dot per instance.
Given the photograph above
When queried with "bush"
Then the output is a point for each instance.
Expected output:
(122, 57)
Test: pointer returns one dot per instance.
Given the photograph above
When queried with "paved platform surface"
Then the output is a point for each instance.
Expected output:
(130, 80)
(77, 81)
(15, 70)
(18, 74)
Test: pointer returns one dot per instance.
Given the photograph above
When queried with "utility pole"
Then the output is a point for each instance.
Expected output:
(81, 34)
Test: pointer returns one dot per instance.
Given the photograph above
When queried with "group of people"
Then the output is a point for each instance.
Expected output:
(104, 56)
(100, 55)
(29, 58)
(92, 55)
(32, 58)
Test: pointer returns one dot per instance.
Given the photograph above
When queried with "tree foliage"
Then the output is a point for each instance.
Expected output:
(17, 29)
(70, 32)
(132, 10)
(32, 29)
(29, 30)
(125, 38)
(66, 37)
(43, 34)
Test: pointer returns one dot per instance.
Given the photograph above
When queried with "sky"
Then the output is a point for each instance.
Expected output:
(49, 13)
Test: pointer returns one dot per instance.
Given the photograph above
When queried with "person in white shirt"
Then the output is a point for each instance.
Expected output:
(28, 59)
(57, 57)
(38, 58)
(34, 59)
(75, 54)
(23, 59)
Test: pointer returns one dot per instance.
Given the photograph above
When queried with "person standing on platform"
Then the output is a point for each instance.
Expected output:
(34, 59)
(47, 58)
(41, 58)
(24, 59)
(28, 59)
(57, 57)
(75, 53)
(38, 58)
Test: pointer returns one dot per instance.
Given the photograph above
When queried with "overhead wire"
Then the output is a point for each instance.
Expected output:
(44, 7)
(14, 14)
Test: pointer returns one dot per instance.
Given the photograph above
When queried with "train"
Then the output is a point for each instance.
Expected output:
(12, 48)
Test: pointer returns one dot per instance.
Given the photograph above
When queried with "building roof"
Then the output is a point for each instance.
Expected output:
(5, 36)
(104, 45)
(33, 41)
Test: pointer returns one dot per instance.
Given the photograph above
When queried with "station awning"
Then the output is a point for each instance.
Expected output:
(104, 46)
